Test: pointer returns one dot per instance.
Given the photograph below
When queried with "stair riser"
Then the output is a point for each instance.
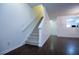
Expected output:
(35, 31)
(32, 41)
(33, 38)
(34, 35)
(35, 44)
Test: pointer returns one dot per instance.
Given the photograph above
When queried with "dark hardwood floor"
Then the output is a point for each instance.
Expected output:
(53, 46)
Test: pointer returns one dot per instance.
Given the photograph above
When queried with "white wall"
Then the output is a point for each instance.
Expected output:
(13, 17)
(63, 31)
(53, 27)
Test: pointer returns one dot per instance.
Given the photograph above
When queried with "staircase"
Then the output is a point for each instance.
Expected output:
(39, 28)
(33, 39)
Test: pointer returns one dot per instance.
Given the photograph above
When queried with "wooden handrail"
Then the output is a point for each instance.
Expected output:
(24, 29)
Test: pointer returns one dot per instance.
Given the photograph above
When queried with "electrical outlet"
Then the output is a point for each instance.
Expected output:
(8, 43)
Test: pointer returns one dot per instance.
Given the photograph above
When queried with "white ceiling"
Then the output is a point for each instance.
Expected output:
(57, 9)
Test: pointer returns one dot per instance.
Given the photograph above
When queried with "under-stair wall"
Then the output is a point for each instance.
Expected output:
(44, 29)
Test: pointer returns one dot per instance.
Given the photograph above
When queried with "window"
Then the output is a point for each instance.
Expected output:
(73, 22)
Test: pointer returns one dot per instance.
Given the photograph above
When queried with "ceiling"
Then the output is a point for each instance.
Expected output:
(57, 9)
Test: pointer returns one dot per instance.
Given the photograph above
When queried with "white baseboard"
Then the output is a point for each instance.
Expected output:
(68, 36)
(8, 50)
